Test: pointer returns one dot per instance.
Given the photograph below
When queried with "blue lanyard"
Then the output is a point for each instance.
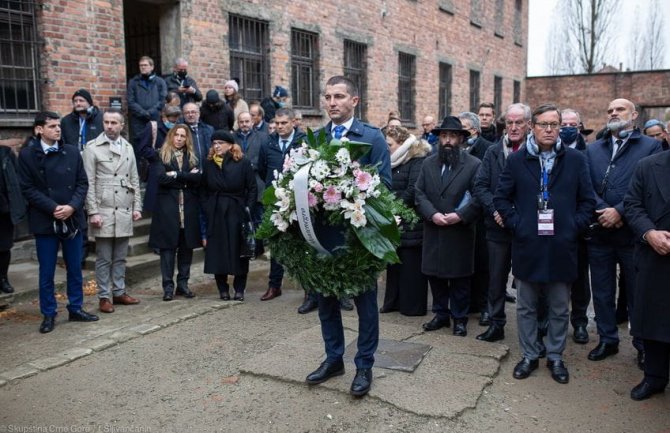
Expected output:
(544, 183)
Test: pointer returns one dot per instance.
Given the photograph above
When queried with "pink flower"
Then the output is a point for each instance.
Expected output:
(318, 187)
(363, 180)
(311, 199)
(332, 195)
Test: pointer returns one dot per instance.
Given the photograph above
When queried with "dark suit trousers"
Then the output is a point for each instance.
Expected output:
(479, 288)
(184, 259)
(656, 362)
(451, 292)
(500, 259)
(368, 328)
(580, 293)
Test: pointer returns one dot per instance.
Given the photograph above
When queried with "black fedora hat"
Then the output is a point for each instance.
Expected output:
(451, 123)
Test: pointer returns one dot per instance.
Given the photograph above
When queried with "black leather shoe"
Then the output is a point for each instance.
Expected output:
(542, 349)
(485, 319)
(168, 296)
(510, 298)
(362, 382)
(559, 372)
(224, 296)
(524, 368)
(325, 371)
(436, 323)
(581, 335)
(48, 324)
(82, 316)
(644, 390)
(346, 305)
(640, 359)
(239, 296)
(5, 287)
(603, 350)
(185, 292)
(494, 333)
(460, 328)
(308, 306)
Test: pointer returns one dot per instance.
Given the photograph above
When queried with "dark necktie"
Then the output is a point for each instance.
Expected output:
(283, 145)
(52, 149)
(615, 151)
(445, 174)
(338, 131)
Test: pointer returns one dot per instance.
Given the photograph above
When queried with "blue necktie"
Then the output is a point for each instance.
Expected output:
(52, 149)
(283, 145)
(338, 131)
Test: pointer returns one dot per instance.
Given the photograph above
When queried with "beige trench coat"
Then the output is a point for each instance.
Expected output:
(113, 186)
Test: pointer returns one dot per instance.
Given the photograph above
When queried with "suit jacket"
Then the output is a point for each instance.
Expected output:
(448, 251)
(202, 142)
(252, 149)
(647, 207)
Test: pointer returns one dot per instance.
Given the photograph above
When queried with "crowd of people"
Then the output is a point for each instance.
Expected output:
(521, 194)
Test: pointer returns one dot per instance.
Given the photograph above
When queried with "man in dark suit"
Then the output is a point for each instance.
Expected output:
(54, 184)
(647, 210)
(444, 199)
(545, 198)
(341, 98)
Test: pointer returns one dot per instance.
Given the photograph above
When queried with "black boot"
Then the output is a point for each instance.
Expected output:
(5, 287)
(223, 287)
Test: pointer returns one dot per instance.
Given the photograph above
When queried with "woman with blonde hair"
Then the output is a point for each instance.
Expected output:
(406, 286)
(175, 224)
(229, 190)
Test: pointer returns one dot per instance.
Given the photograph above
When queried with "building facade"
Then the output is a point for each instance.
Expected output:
(416, 57)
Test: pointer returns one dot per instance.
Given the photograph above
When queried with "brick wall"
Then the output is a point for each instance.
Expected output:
(591, 94)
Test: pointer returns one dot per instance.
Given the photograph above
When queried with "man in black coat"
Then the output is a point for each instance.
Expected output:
(647, 210)
(499, 240)
(258, 117)
(444, 199)
(146, 98)
(278, 100)
(182, 83)
(545, 198)
(54, 184)
(84, 123)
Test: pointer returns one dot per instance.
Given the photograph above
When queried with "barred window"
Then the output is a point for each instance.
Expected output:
(445, 90)
(517, 91)
(476, 13)
(474, 91)
(249, 56)
(356, 69)
(304, 69)
(518, 10)
(500, 19)
(19, 51)
(406, 87)
(497, 93)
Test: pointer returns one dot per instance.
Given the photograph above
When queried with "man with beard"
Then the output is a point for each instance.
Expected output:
(444, 199)
(84, 123)
(183, 84)
(487, 115)
(499, 240)
(545, 198)
(612, 160)
(146, 98)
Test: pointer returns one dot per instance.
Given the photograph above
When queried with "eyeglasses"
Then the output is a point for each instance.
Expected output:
(545, 125)
(517, 123)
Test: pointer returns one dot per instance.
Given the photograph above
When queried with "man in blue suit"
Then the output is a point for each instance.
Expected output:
(341, 98)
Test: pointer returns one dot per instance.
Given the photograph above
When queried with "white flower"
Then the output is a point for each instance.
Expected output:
(342, 156)
(358, 219)
(313, 154)
(279, 222)
(319, 170)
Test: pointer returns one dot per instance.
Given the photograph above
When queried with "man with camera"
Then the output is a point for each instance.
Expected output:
(611, 161)
(183, 84)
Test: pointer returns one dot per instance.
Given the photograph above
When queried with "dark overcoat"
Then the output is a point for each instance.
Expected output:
(69, 126)
(647, 207)
(12, 204)
(227, 191)
(545, 259)
(252, 148)
(404, 181)
(486, 183)
(165, 219)
(448, 251)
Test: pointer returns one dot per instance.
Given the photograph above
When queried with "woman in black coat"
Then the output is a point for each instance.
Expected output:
(406, 286)
(175, 225)
(229, 186)
(12, 211)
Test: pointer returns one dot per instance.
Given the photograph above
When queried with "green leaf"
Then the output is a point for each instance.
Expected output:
(269, 198)
(375, 242)
(357, 149)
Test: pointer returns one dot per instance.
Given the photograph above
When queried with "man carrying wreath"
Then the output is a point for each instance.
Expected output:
(341, 97)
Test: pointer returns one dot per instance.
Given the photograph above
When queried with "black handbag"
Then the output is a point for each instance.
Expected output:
(248, 238)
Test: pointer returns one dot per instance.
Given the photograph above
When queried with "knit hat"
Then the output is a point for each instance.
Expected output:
(84, 94)
(212, 96)
(223, 135)
(280, 92)
(233, 84)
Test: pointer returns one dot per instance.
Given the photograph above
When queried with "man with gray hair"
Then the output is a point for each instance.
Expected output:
(182, 83)
(655, 129)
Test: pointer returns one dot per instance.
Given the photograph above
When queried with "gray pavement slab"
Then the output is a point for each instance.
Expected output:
(19, 372)
(49, 362)
(393, 354)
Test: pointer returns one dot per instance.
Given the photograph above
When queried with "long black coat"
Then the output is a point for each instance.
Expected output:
(486, 183)
(227, 191)
(69, 126)
(12, 204)
(647, 207)
(404, 179)
(165, 220)
(448, 251)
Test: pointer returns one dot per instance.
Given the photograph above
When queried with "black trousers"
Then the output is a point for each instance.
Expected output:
(452, 295)
(184, 258)
(656, 362)
(580, 293)
(500, 258)
(406, 287)
(239, 283)
(479, 288)
(5, 258)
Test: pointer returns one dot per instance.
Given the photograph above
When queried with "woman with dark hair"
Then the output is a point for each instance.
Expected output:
(229, 188)
(406, 286)
(175, 224)
(234, 100)
(12, 211)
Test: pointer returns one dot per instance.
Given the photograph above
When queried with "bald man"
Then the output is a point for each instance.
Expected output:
(612, 160)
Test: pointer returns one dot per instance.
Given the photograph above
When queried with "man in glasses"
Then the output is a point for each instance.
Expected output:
(612, 159)
(428, 125)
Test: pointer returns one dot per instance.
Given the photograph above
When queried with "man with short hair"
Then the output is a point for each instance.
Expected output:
(499, 240)
(297, 120)
(113, 202)
(612, 160)
(279, 99)
(341, 97)
(54, 184)
(84, 123)
(146, 98)
(444, 200)
(487, 115)
(655, 129)
(428, 125)
(257, 117)
(182, 83)
(545, 198)
(202, 132)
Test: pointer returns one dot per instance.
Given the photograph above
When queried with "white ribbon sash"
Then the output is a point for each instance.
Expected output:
(300, 189)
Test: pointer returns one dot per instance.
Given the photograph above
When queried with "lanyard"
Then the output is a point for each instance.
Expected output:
(544, 183)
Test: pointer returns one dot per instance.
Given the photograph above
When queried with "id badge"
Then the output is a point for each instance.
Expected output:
(545, 222)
